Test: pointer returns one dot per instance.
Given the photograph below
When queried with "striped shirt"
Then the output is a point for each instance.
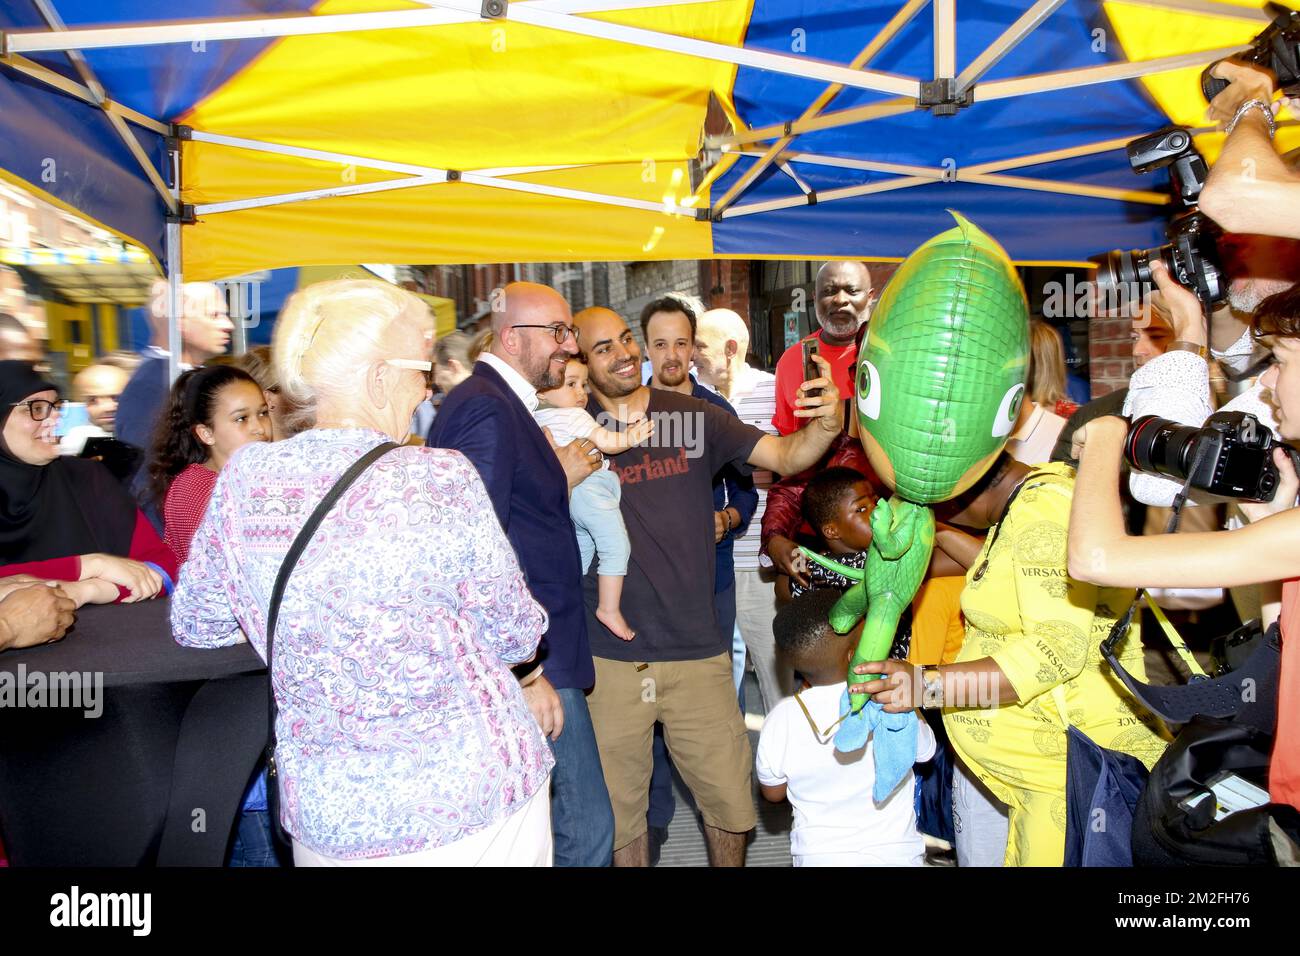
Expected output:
(754, 399)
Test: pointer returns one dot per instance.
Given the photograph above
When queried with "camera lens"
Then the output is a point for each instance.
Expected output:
(1156, 445)
(1120, 268)
(1140, 271)
(1107, 264)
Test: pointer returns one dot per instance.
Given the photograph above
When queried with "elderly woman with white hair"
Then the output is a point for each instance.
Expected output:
(402, 736)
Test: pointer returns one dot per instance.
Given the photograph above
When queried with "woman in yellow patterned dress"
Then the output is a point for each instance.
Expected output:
(1030, 666)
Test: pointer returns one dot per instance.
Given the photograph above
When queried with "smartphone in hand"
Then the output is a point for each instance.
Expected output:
(810, 369)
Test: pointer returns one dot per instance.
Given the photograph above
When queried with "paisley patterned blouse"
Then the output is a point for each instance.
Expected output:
(401, 727)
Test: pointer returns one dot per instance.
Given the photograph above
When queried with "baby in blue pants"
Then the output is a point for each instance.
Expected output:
(594, 504)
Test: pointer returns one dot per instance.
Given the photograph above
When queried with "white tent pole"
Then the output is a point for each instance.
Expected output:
(442, 12)
(304, 152)
(347, 159)
(899, 169)
(789, 171)
(1067, 79)
(215, 30)
(282, 199)
(803, 67)
(765, 159)
(31, 41)
(1004, 44)
(558, 192)
(878, 42)
(524, 170)
(982, 173)
(100, 98)
(421, 176)
(599, 6)
(1065, 188)
(1009, 182)
(60, 82)
(945, 39)
(830, 195)
(141, 157)
(175, 303)
(1015, 162)
(831, 120)
(1052, 156)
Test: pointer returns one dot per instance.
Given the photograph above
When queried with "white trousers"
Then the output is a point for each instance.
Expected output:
(755, 610)
(521, 839)
(979, 818)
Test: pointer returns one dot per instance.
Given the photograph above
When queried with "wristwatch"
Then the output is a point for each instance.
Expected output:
(931, 688)
(1184, 346)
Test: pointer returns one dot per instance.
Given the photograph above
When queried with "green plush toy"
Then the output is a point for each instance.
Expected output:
(940, 380)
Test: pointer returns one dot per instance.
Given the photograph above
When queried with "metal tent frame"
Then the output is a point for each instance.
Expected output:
(947, 91)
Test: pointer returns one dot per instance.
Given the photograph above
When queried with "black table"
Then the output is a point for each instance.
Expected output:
(158, 777)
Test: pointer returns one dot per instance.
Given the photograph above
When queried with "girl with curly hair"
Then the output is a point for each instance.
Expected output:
(212, 411)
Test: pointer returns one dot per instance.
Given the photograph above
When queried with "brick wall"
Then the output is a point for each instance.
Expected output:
(1110, 351)
(724, 284)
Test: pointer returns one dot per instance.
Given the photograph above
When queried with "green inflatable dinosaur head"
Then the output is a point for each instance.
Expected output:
(941, 375)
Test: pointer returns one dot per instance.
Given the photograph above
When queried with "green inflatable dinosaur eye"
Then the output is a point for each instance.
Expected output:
(1008, 411)
(869, 391)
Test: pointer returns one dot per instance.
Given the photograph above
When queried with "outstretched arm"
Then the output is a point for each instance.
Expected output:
(1103, 553)
(614, 443)
(788, 454)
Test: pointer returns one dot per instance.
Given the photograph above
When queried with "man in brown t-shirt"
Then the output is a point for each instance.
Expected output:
(676, 670)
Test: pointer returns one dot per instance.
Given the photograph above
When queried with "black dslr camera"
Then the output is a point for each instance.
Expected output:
(1231, 455)
(1276, 49)
(1192, 253)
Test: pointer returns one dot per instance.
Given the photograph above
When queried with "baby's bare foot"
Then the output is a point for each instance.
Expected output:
(614, 621)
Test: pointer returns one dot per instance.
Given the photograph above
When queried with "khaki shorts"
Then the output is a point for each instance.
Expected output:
(703, 728)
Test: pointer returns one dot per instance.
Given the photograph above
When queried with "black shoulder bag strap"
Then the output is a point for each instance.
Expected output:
(273, 613)
(997, 528)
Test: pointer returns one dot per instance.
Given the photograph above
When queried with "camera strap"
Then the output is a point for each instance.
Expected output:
(1121, 626)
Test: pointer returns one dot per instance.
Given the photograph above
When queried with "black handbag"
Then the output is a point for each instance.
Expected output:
(1172, 827)
(1228, 725)
(273, 613)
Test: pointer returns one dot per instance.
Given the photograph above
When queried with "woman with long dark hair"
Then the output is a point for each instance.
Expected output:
(212, 411)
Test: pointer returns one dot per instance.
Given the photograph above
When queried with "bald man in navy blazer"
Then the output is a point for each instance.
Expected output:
(488, 418)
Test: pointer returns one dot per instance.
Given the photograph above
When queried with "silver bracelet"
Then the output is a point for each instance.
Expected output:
(1245, 108)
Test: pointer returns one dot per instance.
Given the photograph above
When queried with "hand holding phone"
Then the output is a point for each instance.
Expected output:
(810, 369)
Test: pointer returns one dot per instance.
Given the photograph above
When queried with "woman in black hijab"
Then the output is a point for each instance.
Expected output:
(68, 519)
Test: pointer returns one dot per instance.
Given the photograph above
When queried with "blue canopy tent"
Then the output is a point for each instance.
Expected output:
(265, 133)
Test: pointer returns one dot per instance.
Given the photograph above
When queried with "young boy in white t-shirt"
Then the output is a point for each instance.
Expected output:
(594, 504)
(836, 821)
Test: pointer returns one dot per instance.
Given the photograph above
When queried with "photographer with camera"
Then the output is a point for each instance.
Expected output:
(1262, 552)
(1250, 188)
(1176, 385)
